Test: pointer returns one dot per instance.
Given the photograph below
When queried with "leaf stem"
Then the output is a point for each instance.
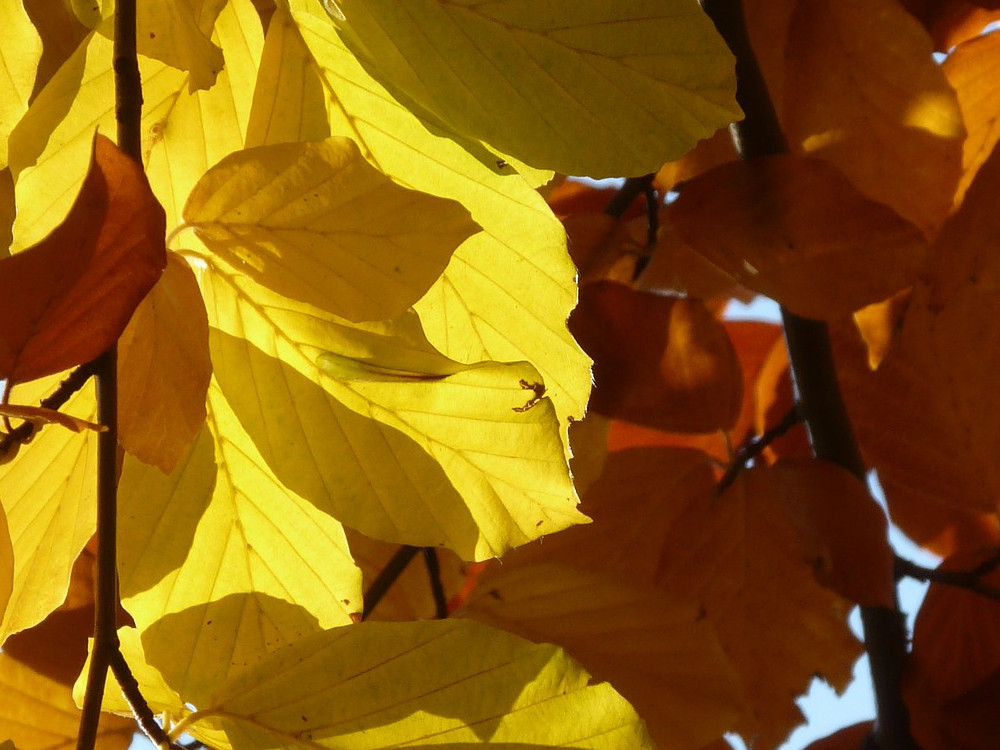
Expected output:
(143, 714)
(381, 585)
(437, 586)
(760, 134)
(754, 447)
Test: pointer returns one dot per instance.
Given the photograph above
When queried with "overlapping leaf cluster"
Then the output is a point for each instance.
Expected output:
(353, 335)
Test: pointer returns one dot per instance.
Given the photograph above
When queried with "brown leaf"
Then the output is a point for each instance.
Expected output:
(929, 418)
(796, 230)
(710, 152)
(774, 396)
(973, 70)
(164, 370)
(676, 267)
(68, 298)
(658, 361)
(951, 22)
(601, 247)
(863, 92)
(739, 556)
(848, 738)
(879, 325)
(842, 530)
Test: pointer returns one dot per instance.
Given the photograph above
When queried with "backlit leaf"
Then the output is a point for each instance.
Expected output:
(21, 51)
(582, 92)
(660, 653)
(508, 290)
(220, 563)
(317, 223)
(795, 230)
(659, 361)
(402, 443)
(39, 714)
(168, 30)
(48, 495)
(368, 686)
(68, 298)
(738, 556)
(164, 370)
(863, 92)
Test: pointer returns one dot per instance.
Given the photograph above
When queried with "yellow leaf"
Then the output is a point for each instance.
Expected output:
(369, 422)
(38, 713)
(48, 495)
(317, 223)
(168, 30)
(6, 568)
(288, 100)
(164, 370)
(507, 292)
(220, 563)
(660, 652)
(368, 686)
(183, 133)
(19, 57)
(601, 89)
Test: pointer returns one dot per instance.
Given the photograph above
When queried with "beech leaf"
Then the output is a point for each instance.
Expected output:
(317, 223)
(69, 297)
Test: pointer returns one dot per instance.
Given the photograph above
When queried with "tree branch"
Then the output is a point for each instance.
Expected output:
(143, 714)
(820, 401)
(754, 447)
(381, 585)
(627, 193)
(437, 586)
(970, 580)
(128, 111)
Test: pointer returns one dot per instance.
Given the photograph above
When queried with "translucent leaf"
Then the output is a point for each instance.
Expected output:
(795, 230)
(863, 92)
(508, 290)
(659, 652)
(168, 30)
(317, 223)
(368, 686)
(220, 562)
(602, 90)
(164, 370)
(37, 712)
(68, 298)
(18, 62)
(400, 442)
(48, 495)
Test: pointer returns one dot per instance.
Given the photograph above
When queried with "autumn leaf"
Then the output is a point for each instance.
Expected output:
(530, 85)
(20, 57)
(795, 230)
(659, 361)
(317, 223)
(367, 686)
(164, 370)
(68, 298)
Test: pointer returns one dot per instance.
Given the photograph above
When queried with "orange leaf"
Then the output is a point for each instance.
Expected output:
(739, 556)
(774, 396)
(68, 298)
(710, 152)
(676, 267)
(842, 530)
(659, 361)
(929, 418)
(973, 70)
(951, 22)
(863, 92)
(796, 230)
(879, 325)
(164, 370)
(601, 247)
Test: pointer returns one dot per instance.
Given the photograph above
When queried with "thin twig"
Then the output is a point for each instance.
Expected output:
(820, 400)
(143, 714)
(626, 195)
(437, 586)
(970, 580)
(754, 447)
(381, 585)
(21, 434)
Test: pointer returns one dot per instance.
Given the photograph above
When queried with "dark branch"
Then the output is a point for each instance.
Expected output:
(626, 195)
(754, 447)
(381, 585)
(21, 434)
(437, 586)
(970, 580)
(143, 714)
